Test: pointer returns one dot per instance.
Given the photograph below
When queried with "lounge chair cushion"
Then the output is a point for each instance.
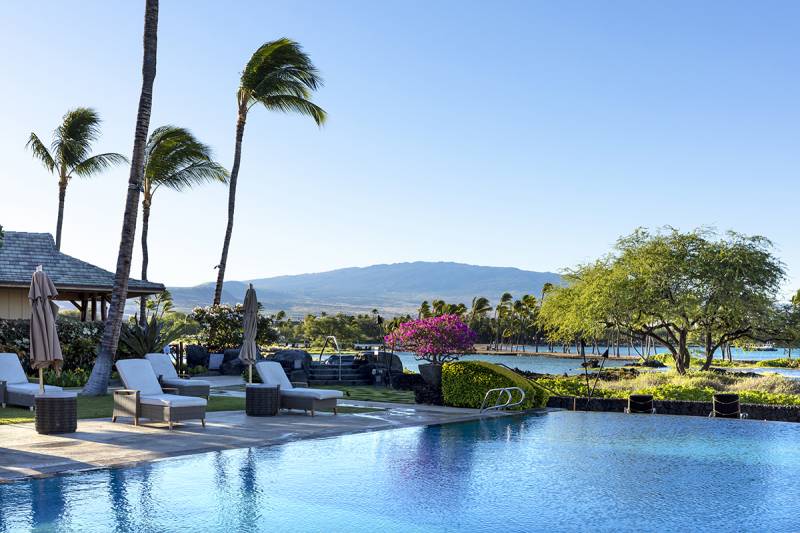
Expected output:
(11, 369)
(31, 388)
(271, 373)
(317, 394)
(162, 365)
(178, 382)
(173, 400)
(215, 361)
(138, 374)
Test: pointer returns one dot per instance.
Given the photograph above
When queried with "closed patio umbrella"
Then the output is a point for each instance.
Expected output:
(45, 348)
(249, 349)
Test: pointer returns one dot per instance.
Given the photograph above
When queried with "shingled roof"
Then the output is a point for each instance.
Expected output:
(22, 252)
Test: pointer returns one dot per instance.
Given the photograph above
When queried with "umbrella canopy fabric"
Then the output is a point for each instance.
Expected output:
(45, 348)
(249, 350)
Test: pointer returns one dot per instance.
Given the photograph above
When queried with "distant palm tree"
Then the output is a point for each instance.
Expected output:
(101, 371)
(281, 77)
(480, 306)
(500, 310)
(175, 159)
(68, 155)
(424, 310)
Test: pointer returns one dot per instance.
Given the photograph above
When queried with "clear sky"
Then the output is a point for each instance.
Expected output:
(515, 133)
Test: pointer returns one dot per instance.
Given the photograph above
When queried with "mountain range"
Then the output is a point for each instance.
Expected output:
(392, 289)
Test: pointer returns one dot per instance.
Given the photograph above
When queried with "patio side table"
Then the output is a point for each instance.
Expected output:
(262, 400)
(56, 412)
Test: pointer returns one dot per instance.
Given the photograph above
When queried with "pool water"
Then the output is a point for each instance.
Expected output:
(561, 471)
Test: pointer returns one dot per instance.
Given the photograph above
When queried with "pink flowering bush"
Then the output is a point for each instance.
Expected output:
(436, 339)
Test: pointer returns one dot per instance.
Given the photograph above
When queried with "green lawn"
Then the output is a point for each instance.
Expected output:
(102, 406)
(374, 394)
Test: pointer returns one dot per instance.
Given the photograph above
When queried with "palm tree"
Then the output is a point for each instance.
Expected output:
(175, 159)
(480, 306)
(68, 155)
(500, 311)
(424, 310)
(281, 77)
(98, 380)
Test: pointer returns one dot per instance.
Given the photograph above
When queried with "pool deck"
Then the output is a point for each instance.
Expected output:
(99, 443)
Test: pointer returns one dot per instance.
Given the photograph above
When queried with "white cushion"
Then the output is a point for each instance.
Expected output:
(138, 374)
(162, 365)
(185, 382)
(317, 394)
(11, 369)
(172, 400)
(30, 388)
(272, 373)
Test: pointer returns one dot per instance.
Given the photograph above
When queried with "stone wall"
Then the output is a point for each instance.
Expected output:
(782, 413)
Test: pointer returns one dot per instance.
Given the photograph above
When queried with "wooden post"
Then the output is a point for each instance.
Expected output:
(94, 308)
(103, 308)
(84, 307)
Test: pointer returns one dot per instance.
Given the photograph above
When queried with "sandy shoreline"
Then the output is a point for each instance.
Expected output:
(482, 349)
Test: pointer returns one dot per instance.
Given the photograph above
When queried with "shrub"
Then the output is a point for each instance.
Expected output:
(79, 341)
(464, 384)
(68, 378)
(220, 327)
(780, 363)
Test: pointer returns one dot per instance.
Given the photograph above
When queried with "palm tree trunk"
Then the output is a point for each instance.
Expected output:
(98, 381)
(62, 194)
(237, 157)
(145, 259)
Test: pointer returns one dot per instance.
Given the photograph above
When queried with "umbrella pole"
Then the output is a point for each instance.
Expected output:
(41, 380)
(250, 373)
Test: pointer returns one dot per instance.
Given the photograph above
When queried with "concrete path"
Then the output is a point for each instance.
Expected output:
(99, 443)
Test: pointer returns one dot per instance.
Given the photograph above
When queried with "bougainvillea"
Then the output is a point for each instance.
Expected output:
(436, 339)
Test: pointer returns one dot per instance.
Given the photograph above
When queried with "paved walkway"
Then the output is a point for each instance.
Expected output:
(99, 443)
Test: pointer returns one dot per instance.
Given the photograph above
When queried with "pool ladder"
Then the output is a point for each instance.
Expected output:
(504, 399)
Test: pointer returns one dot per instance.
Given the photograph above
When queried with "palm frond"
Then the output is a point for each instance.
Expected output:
(281, 76)
(289, 103)
(73, 139)
(40, 152)
(176, 159)
(97, 163)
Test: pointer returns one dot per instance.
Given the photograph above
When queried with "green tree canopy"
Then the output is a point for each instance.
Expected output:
(673, 287)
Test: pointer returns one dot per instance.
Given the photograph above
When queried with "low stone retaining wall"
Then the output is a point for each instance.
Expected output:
(781, 413)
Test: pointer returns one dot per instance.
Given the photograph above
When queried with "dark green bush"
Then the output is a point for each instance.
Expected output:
(780, 363)
(464, 384)
(79, 341)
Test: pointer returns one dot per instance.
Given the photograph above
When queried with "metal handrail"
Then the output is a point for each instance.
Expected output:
(498, 404)
(338, 352)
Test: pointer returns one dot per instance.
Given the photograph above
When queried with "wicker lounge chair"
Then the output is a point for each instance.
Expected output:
(726, 406)
(168, 376)
(143, 397)
(15, 389)
(294, 396)
(640, 404)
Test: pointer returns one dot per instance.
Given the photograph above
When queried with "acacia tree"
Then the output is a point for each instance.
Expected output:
(98, 380)
(174, 159)
(672, 287)
(281, 77)
(68, 155)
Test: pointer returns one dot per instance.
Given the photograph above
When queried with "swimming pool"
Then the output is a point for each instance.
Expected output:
(562, 471)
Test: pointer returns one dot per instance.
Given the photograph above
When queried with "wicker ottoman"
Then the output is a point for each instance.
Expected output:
(56, 412)
(262, 400)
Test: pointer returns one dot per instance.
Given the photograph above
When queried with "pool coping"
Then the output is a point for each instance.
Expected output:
(95, 444)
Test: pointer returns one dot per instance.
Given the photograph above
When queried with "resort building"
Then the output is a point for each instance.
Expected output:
(86, 286)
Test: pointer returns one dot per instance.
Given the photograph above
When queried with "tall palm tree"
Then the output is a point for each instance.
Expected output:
(500, 311)
(175, 159)
(98, 380)
(68, 155)
(281, 77)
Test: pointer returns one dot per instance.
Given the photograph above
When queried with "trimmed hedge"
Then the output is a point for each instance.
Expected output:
(464, 384)
(79, 341)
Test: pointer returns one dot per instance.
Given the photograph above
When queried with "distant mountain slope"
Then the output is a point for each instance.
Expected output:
(393, 289)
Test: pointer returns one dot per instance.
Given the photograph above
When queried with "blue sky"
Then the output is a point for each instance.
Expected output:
(524, 134)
